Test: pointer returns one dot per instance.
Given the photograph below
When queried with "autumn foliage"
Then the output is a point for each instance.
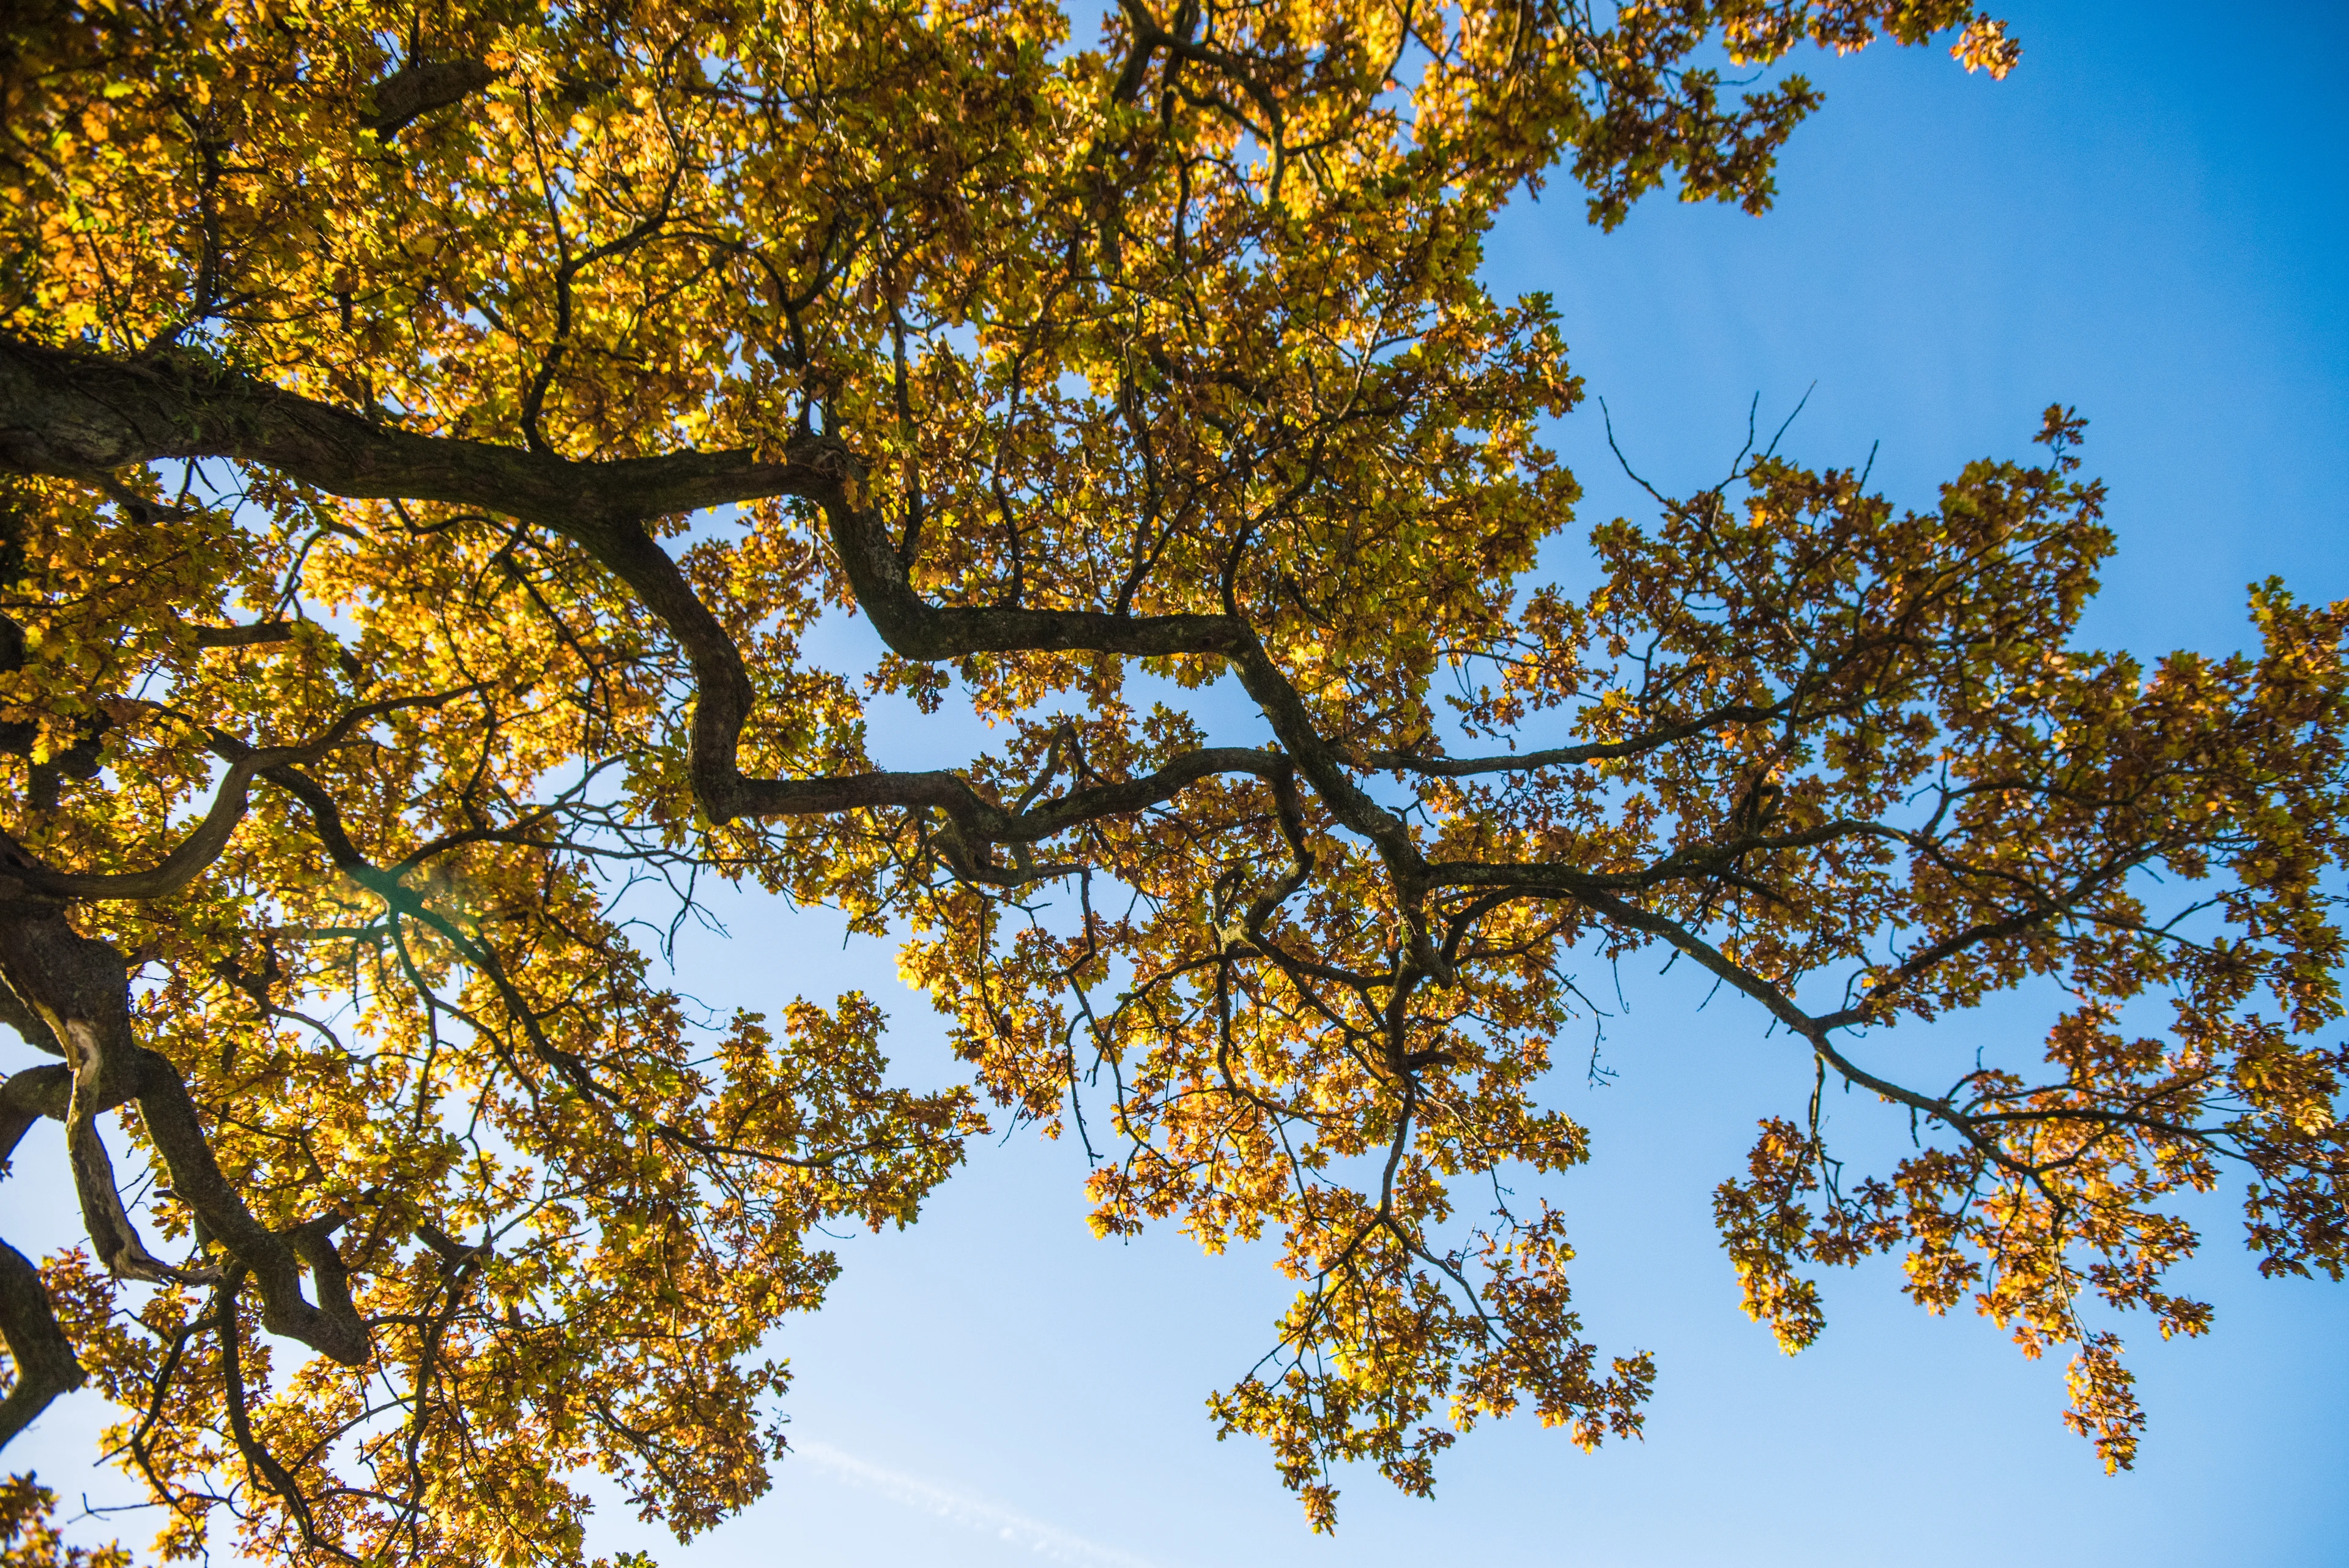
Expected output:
(432, 436)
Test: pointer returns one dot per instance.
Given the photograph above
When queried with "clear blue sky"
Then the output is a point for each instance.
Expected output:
(2148, 219)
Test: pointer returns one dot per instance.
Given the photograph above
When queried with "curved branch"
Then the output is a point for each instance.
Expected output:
(79, 416)
(1780, 1005)
(80, 988)
(1566, 756)
(189, 858)
(263, 1464)
(332, 1328)
(112, 1232)
(46, 1364)
(26, 1097)
(824, 472)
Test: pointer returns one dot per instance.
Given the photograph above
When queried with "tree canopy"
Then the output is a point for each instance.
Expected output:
(431, 438)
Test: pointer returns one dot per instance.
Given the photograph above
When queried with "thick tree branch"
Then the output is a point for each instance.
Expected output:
(46, 1364)
(418, 87)
(81, 416)
(26, 1097)
(76, 415)
(826, 473)
(80, 990)
(252, 636)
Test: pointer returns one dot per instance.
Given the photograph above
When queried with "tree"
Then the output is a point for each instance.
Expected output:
(432, 436)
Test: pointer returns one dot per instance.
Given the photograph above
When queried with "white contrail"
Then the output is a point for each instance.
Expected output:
(970, 1513)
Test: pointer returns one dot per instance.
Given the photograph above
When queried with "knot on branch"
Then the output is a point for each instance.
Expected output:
(829, 458)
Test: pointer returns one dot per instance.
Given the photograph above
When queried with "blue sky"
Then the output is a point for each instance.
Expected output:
(2148, 221)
